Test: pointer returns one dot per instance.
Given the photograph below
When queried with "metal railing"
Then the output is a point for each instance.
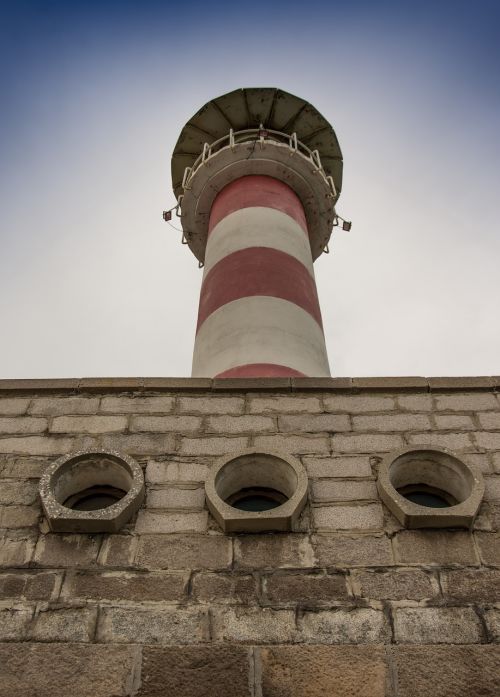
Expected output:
(259, 136)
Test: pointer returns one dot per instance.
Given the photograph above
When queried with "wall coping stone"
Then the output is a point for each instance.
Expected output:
(341, 385)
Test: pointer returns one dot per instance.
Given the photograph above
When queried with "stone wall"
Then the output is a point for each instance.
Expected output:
(349, 603)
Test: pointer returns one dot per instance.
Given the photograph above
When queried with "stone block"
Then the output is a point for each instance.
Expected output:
(152, 522)
(314, 423)
(25, 467)
(177, 384)
(490, 421)
(39, 445)
(212, 446)
(462, 383)
(415, 402)
(59, 670)
(481, 460)
(253, 625)
(13, 406)
(16, 551)
(294, 445)
(18, 492)
(356, 404)
(305, 589)
(322, 384)
(386, 384)
(434, 547)
(201, 671)
(185, 471)
(370, 443)
(492, 619)
(65, 624)
(437, 625)
(165, 424)
(240, 424)
(452, 441)
(471, 585)
(117, 551)
(447, 671)
(496, 462)
(284, 405)
(60, 406)
(492, 512)
(489, 547)
(466, 402)
(252, 384)
(346, 551)
(224, 588)
(353, 626)
(339, 490)
(140, 444)
(492, 488)
(88, 424)
(14, 624)
(367, 517)
(22, 425)
(454, 422)
(391, 422)
(176, 497)
(349, 466)
(137, 405)
(317, 671)
(184, 552)
(395, 585)
(211, 405)
(38, 385)
(487, 440)
(166, 625)
(28, 586)
(110, 384)
(67, 550)
(14, 517)
(125, 585)
(273, 551)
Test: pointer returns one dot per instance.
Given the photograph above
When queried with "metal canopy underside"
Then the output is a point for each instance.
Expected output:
(248, 108)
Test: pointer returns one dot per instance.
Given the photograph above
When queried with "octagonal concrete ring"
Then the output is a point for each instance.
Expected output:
(256, 468)
(435, 468)
(81, 470)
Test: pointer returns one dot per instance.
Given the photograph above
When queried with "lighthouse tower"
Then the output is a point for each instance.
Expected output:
(257, 173)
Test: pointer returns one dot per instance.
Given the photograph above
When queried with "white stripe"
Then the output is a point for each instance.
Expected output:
(260, 329)
(258, 227)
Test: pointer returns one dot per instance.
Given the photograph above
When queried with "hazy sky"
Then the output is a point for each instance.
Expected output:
(94, 95)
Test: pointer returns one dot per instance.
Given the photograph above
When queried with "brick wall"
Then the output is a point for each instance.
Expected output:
(350, 603)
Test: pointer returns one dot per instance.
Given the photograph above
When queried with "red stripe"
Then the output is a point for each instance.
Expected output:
(258, 271)
(256, 190)
(261, 370)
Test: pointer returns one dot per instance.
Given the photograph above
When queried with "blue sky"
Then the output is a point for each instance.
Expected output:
(94, 95)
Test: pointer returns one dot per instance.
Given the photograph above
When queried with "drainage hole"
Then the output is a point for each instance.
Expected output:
(94, 498)
(256, 499)
(429, 496)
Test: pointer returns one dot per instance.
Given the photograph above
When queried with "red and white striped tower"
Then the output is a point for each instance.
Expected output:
(257, 206)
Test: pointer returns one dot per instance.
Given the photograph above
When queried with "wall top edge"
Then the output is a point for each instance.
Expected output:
(340, 384)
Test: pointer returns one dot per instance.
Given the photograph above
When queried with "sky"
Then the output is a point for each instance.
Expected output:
(94, 96)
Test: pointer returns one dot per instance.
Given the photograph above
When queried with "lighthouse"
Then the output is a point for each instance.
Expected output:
(257, 173)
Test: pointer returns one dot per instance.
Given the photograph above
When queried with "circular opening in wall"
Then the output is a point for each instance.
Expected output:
(429, 496)
(430, 488)
(91, 491)
(256, 491)
(94, 498)
(256, 499)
